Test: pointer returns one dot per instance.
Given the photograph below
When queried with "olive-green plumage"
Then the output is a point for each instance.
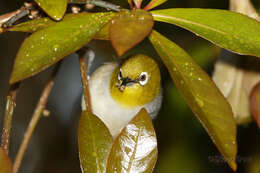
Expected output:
(136, 94)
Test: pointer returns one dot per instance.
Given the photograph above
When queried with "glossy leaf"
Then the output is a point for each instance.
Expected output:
(5, 162)
(41, 23)
(129, 28)
(255, 103)
(34, 25)
(103, 34)
(49, 45)
(218, 26)
(54, 8)
(135, 149)
(154, 3)
(201, 94)
(94, 141)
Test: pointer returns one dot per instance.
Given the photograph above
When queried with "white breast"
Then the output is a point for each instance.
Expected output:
(111, 113)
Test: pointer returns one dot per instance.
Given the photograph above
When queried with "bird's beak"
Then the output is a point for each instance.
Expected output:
(125, 82)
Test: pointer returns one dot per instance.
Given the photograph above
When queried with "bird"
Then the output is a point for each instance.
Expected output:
(118, 91)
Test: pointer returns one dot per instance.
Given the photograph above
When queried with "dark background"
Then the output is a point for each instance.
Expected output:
(184, 146)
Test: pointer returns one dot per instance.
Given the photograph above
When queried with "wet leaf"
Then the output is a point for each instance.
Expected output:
(201, 94)
(135, 149)
(129, 28)
(218, 26)
(94, 141)
(34, 25)
(49, 45)
(5, 162)
(154, 3)
(39, 24)
(55, 9)
(103, 34)
(255, 103)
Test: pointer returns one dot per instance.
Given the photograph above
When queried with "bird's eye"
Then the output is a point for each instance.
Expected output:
(143, 78)
(119, 75)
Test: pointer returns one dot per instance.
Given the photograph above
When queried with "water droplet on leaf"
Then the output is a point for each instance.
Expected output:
(55, 48)
(200, 102)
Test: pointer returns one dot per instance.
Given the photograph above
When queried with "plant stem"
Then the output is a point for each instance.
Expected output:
(104, 4)
(83, 53)
(36, 116)
(7, 20)
(98, 3)
(9, 109)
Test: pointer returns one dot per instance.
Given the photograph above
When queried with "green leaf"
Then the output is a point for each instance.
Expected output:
(135, 149)
(201, 94)
(94, 141)
(154, 3)
(129, 28)
(233, 31)
(49, 45)
(34, 25)
(5, 162)
(103, 34)
(54, 8)
(41, 23)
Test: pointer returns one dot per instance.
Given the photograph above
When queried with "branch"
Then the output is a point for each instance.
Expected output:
(7, 20)
(99, 3)
(9, 109)
(83, 53)
(36, 116)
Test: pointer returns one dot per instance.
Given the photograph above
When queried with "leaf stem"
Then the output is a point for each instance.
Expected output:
(36, 116)
(9, 109)
(83, 53)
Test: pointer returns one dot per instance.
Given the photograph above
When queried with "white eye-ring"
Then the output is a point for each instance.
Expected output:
(143, 78)
(119, 76)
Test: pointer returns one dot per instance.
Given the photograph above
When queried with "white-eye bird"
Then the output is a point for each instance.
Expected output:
(119, 91)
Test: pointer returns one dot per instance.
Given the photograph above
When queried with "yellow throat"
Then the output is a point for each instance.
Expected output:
(136, 82)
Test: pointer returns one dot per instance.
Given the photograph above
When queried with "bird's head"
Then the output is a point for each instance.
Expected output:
(135, 82)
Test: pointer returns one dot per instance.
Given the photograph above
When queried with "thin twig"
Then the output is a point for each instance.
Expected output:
(9, 109)
(7, 20)
(83, 53)
(98, 3)
(36, 116)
